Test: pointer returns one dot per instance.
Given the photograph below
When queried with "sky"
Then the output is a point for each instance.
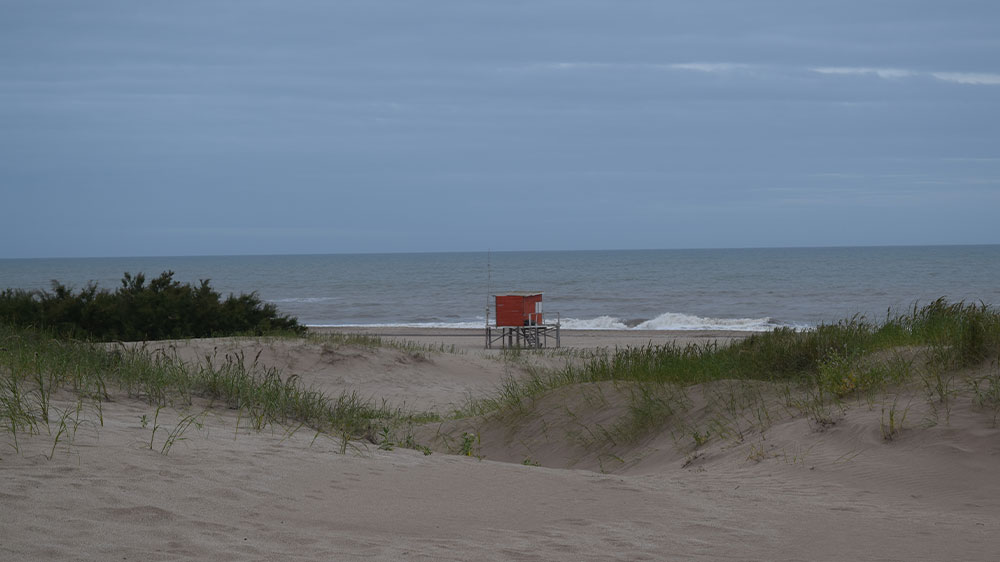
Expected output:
(330, 126)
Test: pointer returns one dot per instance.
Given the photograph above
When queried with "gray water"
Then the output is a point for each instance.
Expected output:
(747, 289)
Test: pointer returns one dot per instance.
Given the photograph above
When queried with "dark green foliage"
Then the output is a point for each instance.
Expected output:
(969, 333)
(162, 309)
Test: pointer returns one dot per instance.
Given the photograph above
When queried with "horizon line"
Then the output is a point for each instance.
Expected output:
(488, 250)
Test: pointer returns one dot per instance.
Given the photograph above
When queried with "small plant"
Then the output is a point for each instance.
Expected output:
(611, 459)
(62, 430)
(691, 458)
(16, 416)
(892, 420)
(700, 438)
(939, 388)
(986, 391)
(156, 426)
(795, 457)
(470, 443)
(288, 434)
(385, 440)
(346, 440)
(838, 374)
(821, 407)
(177, 433)
(529, 462)
(757, 452)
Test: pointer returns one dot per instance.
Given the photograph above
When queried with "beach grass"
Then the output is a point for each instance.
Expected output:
(375, 341)
(36, 364)
(807, 373)
(831, 356)
(744, 386)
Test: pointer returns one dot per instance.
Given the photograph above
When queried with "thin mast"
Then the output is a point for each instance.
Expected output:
(489, 283)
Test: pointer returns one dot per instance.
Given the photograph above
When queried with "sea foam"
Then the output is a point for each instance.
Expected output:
(666, 321)
(674, 321)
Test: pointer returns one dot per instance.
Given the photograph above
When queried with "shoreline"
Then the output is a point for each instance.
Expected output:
(475, 338)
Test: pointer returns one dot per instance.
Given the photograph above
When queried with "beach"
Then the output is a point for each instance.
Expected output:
(134, 483)
(500, 281)
(473, 339)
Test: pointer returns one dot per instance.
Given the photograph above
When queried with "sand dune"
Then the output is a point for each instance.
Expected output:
(797, 491)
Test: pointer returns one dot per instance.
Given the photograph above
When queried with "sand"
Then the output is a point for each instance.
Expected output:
(799, 492)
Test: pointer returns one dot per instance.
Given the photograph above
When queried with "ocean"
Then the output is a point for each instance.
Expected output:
(737, 289)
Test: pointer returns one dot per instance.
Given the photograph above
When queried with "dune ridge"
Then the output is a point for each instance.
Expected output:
(563, 477)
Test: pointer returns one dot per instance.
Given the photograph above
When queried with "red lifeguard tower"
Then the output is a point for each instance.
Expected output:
(519, 318)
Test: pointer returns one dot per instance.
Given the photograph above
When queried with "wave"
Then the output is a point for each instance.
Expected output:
(599, 323)
(666, 321)
(675, 321)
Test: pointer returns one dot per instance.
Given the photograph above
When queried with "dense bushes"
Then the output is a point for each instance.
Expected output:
(163, 309)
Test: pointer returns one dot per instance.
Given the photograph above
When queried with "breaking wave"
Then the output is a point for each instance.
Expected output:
(676, 321)
(666, 321)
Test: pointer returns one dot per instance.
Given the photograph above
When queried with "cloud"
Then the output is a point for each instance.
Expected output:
(977, 78)
(973, 78)
(884, 73)
(712, 67)
(576, 65)
(708, 67)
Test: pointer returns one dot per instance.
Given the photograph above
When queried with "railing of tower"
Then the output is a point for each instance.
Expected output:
(538, 319)
(535, 332)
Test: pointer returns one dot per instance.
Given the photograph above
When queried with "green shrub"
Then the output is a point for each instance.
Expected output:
(162, 309)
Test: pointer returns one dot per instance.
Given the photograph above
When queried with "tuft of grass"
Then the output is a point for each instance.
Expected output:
(375, 341)
(367, 341)
(62, 430)
(650, 405)
(156, 426)
(177, 433)
(939, 386)
(986, 391)
(892, 420)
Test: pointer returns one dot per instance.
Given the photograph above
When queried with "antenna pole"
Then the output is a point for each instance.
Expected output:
(489, 283)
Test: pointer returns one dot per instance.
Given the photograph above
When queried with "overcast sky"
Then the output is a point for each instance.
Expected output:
(278, 126)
